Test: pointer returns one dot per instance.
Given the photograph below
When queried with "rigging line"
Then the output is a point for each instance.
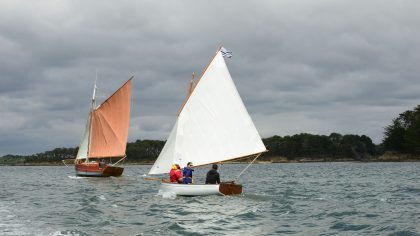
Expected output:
(119, 160)
(65, 163)
(248, 166)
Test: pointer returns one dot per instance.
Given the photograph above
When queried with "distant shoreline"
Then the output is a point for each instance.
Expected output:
(386, 157)
(242, 162)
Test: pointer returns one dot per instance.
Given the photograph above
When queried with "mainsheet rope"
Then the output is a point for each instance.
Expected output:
(247, 166)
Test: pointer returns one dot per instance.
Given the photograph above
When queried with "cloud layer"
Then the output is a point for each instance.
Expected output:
(300, 66)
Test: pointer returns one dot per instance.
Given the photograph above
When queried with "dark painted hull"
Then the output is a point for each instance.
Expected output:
(95, 170)
(230, 188)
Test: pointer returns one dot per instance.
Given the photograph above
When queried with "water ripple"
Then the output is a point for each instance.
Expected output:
(297, 199)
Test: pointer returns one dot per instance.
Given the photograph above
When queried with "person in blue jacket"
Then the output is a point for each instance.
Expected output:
(188, 170)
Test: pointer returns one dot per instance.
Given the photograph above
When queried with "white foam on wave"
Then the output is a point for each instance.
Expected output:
(167, 194)
(75, 177)
(102, 197)
(286, 213)
(9, 222)
(66, 233)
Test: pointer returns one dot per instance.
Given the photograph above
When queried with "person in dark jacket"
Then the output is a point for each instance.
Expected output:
(188, 170)
(213, 176)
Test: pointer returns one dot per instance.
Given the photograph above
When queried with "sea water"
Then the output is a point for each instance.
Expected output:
(279, 199)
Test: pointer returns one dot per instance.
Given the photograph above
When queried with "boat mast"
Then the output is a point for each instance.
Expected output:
(191, 85)
(92, 107)
(94, 91)
(197, 81)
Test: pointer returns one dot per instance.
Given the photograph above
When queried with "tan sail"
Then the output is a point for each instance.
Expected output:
(110, 122)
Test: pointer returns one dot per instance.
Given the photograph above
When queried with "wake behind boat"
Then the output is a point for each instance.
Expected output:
(212, 126)
(105, 137)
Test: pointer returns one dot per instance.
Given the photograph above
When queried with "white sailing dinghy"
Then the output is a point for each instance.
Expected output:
(213, 126)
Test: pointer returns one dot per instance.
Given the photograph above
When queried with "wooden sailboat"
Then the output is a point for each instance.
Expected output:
(105, 137)
(212, 126)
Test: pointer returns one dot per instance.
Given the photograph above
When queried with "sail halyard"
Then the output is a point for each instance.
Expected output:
(213, 124)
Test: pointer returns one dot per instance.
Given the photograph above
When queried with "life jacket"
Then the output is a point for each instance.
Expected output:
(174, 175)
(187, 175)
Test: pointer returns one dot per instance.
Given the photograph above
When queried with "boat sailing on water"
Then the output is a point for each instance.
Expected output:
(105, 138)
(212, 126)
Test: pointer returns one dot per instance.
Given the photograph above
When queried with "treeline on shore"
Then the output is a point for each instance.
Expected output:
(401, 143)
(289, 148)
(310, 147)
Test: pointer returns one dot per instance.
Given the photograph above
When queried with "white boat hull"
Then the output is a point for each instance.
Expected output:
(191, 189)
(224, 188)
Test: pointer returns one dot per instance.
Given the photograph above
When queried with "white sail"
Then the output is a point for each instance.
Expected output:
(166, 156)
(83, 147)
(213, 125)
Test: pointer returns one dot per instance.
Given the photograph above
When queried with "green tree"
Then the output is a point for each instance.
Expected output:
(403, 134)
(144, 150)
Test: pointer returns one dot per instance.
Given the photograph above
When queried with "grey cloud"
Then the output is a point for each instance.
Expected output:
(299, 66)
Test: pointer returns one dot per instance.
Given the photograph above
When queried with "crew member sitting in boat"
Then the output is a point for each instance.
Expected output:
(175, 175)
(101, 163)
(213, 176)
(188, 173)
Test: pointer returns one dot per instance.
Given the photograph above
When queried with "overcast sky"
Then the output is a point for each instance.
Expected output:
(300, 66)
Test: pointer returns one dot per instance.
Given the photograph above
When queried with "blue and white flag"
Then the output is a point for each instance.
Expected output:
(226, 53)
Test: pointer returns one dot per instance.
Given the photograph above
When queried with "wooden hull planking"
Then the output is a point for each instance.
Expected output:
(93, 169)
(230, 188)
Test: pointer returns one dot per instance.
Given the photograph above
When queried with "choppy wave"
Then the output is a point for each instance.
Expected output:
(278, 199)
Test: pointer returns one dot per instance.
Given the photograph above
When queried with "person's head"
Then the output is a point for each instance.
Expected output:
(177, 166)
(214, 167)
(190, 164)
(174, 166)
